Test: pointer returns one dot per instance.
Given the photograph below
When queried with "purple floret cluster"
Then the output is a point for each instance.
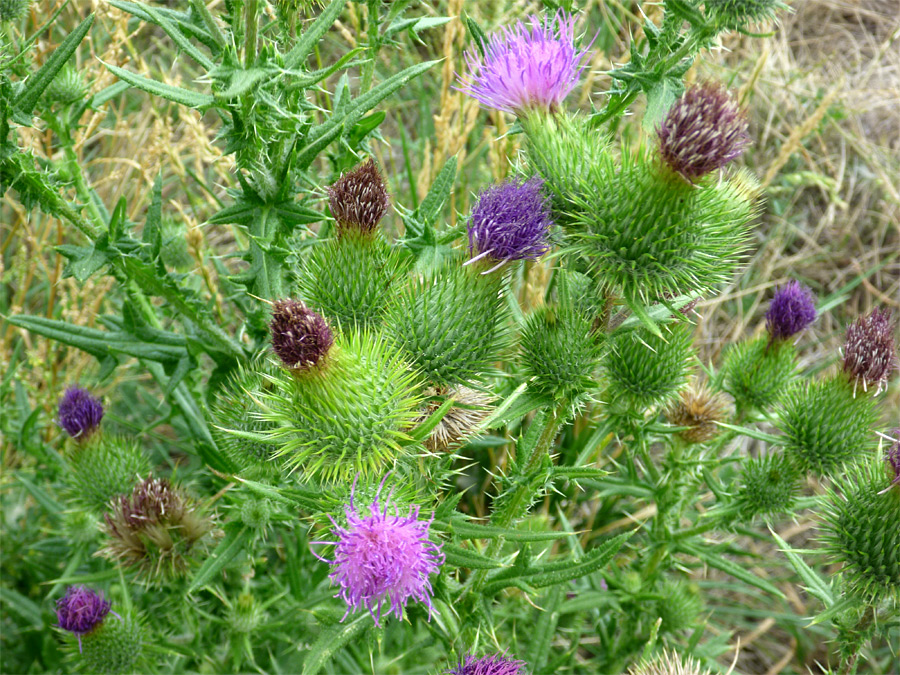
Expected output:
(497, 664)
(793, 308)
(81, 610)
(79, 412)
(870, 355)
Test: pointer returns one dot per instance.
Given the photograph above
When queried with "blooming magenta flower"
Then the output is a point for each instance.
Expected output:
(498, 664)
(510, 221)
(81, 610)
(523, 69)
(300, 337)
(703, 131)
(383, 557)
(869, 352)
(79, 412)
(793, 308)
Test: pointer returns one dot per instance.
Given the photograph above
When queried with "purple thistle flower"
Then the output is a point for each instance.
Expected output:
(523, 69)
(300, 336)
(81, 610)
(703, 131)
(498, 664)
(793, 308)
(510, 221)
(79, 412)
(869, 351)
(381, 557)
(359, 199)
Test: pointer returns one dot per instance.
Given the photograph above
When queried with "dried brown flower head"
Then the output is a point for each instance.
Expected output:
(699, 409)
(469, 410)
(359, 199)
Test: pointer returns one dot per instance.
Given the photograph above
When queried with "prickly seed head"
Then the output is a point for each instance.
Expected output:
(359, 199)
(870, 355)
(300, 336)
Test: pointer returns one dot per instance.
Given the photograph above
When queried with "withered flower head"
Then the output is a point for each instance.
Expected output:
(300, 336)
(699, 409)
(469, 409)
(359, 199)
(870, 355)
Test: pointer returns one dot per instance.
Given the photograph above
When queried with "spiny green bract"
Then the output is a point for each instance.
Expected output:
(115, 646)
(679, 607)
(824, 425)
(450, 324)
(238, 433)
(768, 485)
(103, 467)
(350, 279)
(560, 351)
(757, 373)
(346, 418)
(737, 14)
(645, 370)
(10, 10)
(67, 87)
(860, 529)
(646, 233)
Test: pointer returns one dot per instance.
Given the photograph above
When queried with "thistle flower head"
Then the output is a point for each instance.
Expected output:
(668, 664)
(510, 221)
(383, 557)
(81, 609)
(735, 14)
(79, 412)
(869, 351)
(524, 69)
(300, 337)
(470, 408)
(497, 664)
(10, 10)
(793, 308)
(699, 409)
(359, 199)
(704, 130)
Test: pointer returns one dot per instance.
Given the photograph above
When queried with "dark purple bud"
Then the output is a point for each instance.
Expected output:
(300, 337)
(359, 199)
(510, 221)
(79, 412)
(793, 308)
(704, 130)
(892, 456)
(80, 610)
(498, 664)
(869, 351)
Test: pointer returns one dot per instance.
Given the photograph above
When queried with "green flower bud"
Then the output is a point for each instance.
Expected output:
(103, 467)
(738, 14)
(679, 607)
(757, 373)
(115, 646)
(860, 530)
(256, 513)
(81, 527)
(10, 10)
(345, 419)
(768, 485)
(351, 278)
(560, 352)
(645, 370)
(824, 425)
(245, 615)
(67, 87)
(450, 324)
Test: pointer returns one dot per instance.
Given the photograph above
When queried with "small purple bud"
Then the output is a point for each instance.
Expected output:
(381, 558)
(869, 351)
(793, 308)
(703, 131)
(300, 337)
(81, 610)
(892, 457)
(510, 221)
(522, 69)
(79, 412)
(498, 664)
(359, 199)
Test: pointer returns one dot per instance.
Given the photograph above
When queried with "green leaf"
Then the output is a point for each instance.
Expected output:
(541, 638)
(815, 584)
(713, 559)
(311, 36)
(152, 234)
(27, 609)
(476, 33)
(659, 99)
(420, 433)
(186, 97)
(84, 261)
(243, 81)
(467, 530)
(39, 81)
(686, 10)
(333, 638)
(177, 36)
(638, 309)
(467, 559)
(236, 538)
(50, 505)
(437, 196)
(753, 433)
(585, 601)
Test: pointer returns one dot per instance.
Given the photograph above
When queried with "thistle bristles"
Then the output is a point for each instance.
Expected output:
(300, 337)
(668, 663)
(81, 610)
(524, 69)
(79, 413)
(359, 199)
(870, 355)
(704, 130)
(470, 408)
(737, 14)
(495, 664)
(792, 310)
(699, 409)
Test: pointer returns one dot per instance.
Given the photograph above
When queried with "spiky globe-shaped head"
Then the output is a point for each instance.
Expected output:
(768, 485)
(101, 470)
(81, 610)
(679, 607)
(645, 370)
(870, 355)
(703, 131)
(522, 70)
(698, 409)
(792, 309)
(825, 425)
(79, 413)
(359, 199)
(301, 338)
(67, 87)
(493, 664)
(510, 221)
(667, 663)
(860, 529)
(382, 557)
(758, 372)
(10, 10)
(738, 14)
(116, 647)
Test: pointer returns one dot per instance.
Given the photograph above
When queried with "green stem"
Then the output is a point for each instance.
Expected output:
(368, 73)
(251, 28)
